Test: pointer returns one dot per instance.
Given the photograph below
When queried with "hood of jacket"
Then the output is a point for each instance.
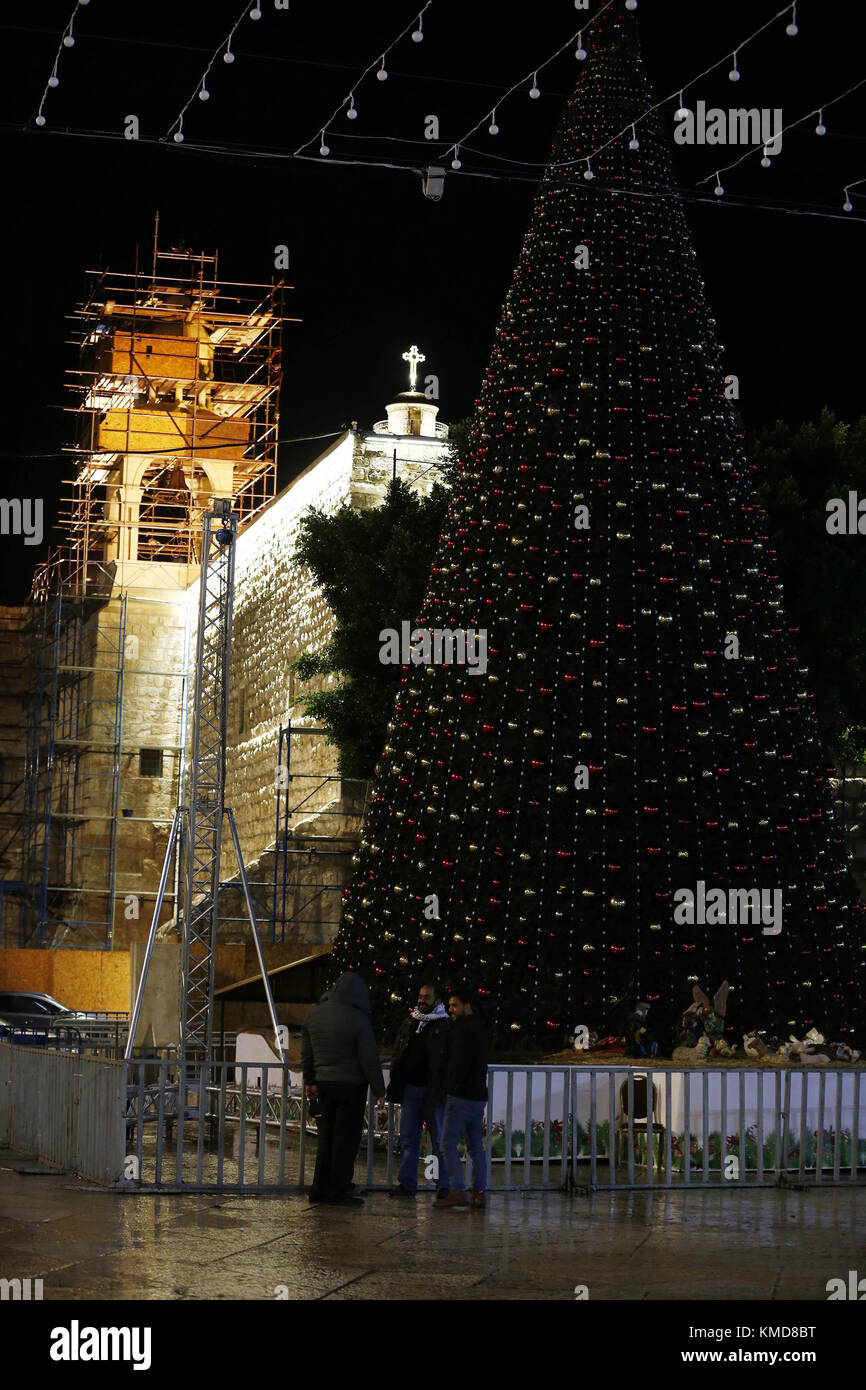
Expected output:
(350, 989)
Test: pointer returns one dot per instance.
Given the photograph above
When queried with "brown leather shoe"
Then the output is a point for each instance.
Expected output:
(452, 1199)
(477, 1200)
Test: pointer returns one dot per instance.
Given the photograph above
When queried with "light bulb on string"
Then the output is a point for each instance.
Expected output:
(228, 56)
(534, 90)
(456, 162)
(69, 38)
(718, 190)
(634, 143)
(580, 51)
(204, 94)
(323, 148)
(587, 173)
(766, 161)
(820, 128)
(255, 12)
(682, 110)
(54, 80)
(382, 74)
(40, 119)
(493, 127)
(847, 206)
(178, 134)
(791, 29)
(418, 34)
(631, 4)
(351, 114)
(734, 74)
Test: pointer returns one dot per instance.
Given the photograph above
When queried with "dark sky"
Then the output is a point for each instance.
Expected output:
(375, 265)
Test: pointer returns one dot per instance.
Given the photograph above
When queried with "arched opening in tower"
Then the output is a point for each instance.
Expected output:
(165, 514)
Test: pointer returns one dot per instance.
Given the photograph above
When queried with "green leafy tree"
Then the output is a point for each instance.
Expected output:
(458, 438)
(372, 567)
(824, 576)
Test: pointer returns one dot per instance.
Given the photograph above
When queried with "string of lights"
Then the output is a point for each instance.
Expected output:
(228, 57)
(848, 206)
(67, 41)
(280, 58)
(534, 91)
(382, 76)
(255, 13)
(792, 30)
(820, 129)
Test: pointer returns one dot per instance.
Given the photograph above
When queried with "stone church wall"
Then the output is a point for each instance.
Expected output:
(278, 614)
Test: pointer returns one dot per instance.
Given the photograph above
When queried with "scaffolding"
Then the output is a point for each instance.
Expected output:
(72, 770)
(177, 381)
(296, 797)
(13, 692)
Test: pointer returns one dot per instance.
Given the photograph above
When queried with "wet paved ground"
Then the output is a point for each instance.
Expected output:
(717, 1245)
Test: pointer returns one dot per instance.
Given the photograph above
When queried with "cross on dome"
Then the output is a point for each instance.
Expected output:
(413, 357)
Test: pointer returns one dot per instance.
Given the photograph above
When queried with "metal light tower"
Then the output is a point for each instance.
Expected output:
(198, 825)
(199, 919)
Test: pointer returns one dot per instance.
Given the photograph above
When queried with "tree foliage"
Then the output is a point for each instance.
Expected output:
(372, 567)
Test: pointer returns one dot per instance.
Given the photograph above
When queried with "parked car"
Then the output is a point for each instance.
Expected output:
(25, 1006)
(28, 1017)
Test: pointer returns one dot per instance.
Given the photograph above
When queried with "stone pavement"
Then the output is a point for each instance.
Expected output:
(715, 1245)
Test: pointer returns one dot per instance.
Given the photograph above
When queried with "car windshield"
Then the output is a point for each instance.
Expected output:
(52, 1006)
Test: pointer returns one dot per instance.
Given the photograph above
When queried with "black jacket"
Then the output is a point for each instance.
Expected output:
(435, 1035)
(337, 1040)
(466, 1072)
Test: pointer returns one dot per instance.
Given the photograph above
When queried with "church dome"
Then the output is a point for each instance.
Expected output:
(412, 412)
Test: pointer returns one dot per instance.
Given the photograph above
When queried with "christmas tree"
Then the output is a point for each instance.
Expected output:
(559, 828)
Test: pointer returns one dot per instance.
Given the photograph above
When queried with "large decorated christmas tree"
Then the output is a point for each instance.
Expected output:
(643, 733)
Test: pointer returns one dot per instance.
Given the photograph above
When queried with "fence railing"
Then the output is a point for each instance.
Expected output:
(248, 1126)
(148, 1126)
(733, 1127)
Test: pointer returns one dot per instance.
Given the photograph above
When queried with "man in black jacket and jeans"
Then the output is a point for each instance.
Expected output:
(466, 1086)
(340, 1060)
(418, 1085)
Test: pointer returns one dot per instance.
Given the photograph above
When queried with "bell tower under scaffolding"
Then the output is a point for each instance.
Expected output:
(177, 380)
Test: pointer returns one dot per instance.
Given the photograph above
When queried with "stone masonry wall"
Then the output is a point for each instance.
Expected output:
(151, 719)
(154, 684)
(278, 614)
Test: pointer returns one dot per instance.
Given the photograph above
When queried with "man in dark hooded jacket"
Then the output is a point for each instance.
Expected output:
(340, 1060)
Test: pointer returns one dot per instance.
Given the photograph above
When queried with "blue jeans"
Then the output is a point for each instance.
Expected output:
(414, 1110)
(464, 1116)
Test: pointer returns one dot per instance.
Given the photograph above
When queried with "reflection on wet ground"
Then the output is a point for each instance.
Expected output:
(714, 1245)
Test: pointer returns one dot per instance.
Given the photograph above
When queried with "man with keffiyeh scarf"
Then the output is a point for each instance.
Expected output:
(418, 1085)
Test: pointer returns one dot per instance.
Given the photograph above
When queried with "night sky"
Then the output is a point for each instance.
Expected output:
(376, 266)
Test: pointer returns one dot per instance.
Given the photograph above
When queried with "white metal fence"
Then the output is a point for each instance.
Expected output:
(545, 1128)
(245, 1126)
